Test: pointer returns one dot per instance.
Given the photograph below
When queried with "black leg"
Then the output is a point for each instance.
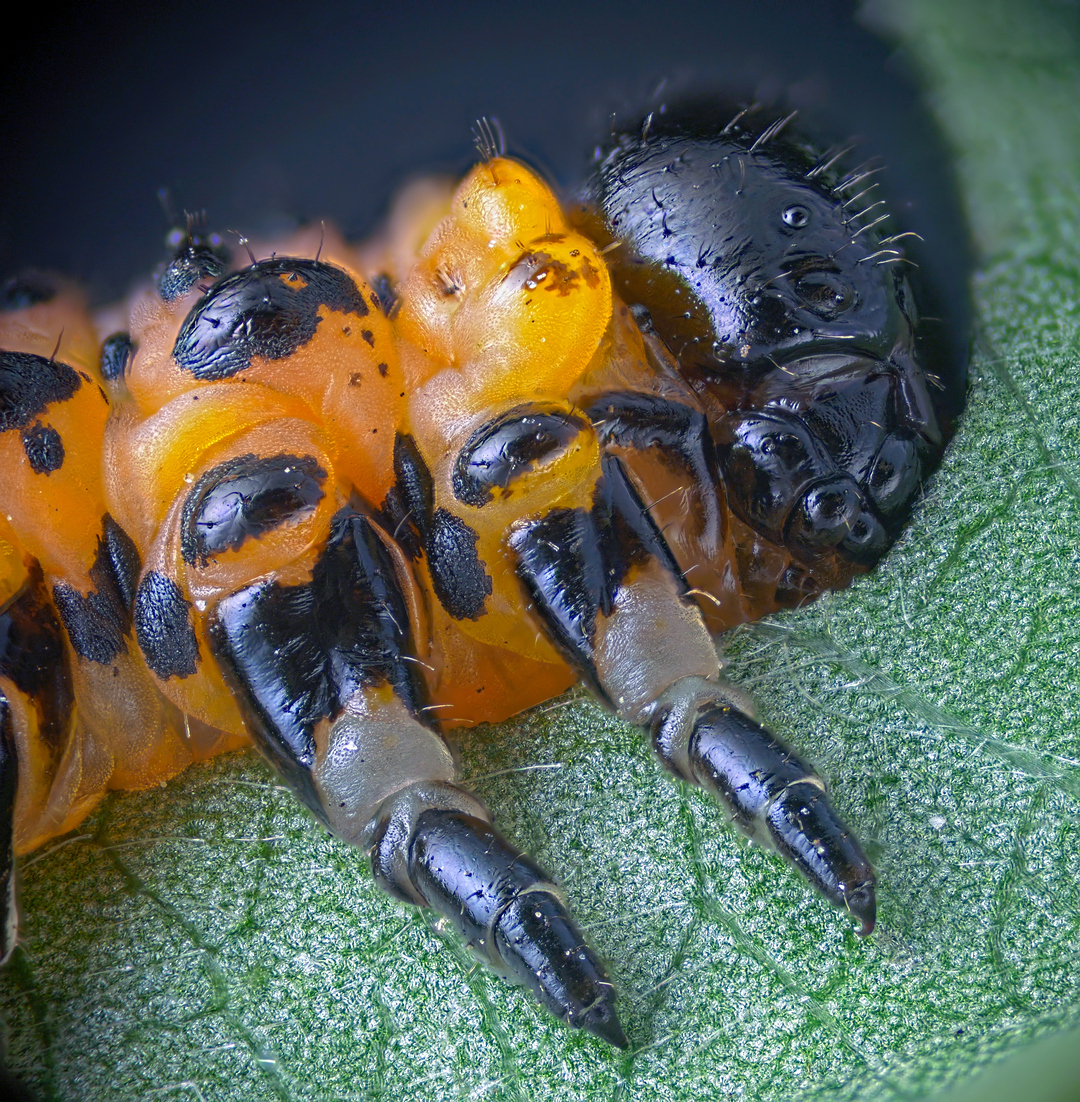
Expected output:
(645, 421)
(510, 914)
(771, 793)
(337, 706)
(603, 581)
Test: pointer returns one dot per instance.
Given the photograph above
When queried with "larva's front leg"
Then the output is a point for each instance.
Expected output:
(771, 793)
(332, 695)
(613, 599)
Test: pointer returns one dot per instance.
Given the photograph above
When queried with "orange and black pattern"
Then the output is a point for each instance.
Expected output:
(338, 500)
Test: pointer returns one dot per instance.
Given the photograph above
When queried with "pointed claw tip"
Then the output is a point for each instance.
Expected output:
(601, 1021)
(862, 904)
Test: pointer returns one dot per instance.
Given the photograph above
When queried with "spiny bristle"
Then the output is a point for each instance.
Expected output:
(488, 138)
(771, 131)
(828, 159)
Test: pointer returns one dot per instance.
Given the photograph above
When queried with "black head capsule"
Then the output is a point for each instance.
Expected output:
(778, 282)
(745, 252)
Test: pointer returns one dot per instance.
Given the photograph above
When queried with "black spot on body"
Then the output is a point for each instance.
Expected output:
(34, 658)
(384, 298)
(44, 448)
(243, 499)
(268, 310)
(409, 504)
(163, 627)
(95, 628)
(507, 448)
(125, 563)
(457, 574)
(192, 262)
(116, 353)
(98, 623)
(460, 582)
(414, 480)
(29, 384)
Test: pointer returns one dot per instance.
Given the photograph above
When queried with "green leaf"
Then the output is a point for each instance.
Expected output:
(208, 941)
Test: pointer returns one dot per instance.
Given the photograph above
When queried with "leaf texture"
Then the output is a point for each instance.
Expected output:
(208, 941)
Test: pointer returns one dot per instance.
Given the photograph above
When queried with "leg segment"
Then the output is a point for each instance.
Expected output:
(435, 845)
(771, 794)
(643, 421)
(635, 635)
(336, 704)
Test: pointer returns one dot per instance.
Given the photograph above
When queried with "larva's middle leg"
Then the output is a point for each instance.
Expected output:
(434, 845)
(613, 598)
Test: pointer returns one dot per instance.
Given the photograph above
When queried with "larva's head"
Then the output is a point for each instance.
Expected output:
(768, 271)
(750, 250)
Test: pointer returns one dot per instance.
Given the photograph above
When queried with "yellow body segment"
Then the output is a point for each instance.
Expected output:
(504, 305)
(57, 515)
(505, 292)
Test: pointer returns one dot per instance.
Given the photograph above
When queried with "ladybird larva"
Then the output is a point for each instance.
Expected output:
(339, 501)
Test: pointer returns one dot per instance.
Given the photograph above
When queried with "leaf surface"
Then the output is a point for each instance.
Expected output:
(209, 941)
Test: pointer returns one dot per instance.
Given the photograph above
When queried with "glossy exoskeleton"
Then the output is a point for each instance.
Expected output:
(775, 279)
(286, 507)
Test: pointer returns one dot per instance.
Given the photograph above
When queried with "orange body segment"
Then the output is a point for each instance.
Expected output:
(500, 305)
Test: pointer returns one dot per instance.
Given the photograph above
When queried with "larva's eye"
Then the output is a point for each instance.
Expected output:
(827, 294)
(796, 216)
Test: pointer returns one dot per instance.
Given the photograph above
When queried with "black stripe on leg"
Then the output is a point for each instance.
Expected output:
(98, 623)
(572, 563)
(560, 565)
(679, 433)
(296, 654)
(627, 532)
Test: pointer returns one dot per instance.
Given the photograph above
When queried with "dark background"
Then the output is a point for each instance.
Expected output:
(267, 113)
